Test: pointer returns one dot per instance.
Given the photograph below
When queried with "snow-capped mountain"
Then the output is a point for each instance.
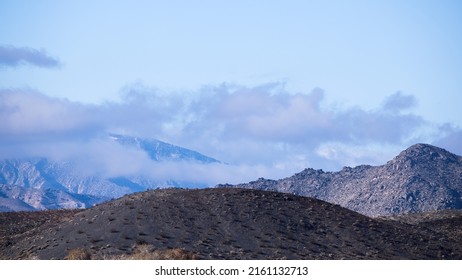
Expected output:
(42, 183)
(161, 151)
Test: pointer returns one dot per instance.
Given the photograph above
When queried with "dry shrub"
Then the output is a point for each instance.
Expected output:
(148, 252)
(78, 254)
(176, 254)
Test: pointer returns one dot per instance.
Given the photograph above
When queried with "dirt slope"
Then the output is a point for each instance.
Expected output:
(227, 223)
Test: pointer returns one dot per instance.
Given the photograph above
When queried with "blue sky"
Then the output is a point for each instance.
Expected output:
(300, 83)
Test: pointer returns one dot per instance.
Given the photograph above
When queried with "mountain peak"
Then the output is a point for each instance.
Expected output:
(422, 148)
(162, 151)
(421, 178)
(425, 153)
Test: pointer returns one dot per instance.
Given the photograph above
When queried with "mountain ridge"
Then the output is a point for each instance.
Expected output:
(42, 177)
(161, 151)
(421, 178)
(17, 198)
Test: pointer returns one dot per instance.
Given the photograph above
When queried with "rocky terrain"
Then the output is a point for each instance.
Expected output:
(223, 223)
(422, 178)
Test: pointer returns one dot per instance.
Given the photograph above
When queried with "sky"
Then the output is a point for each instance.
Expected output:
(270, 87)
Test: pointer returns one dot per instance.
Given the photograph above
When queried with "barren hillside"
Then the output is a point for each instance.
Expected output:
(227, 223)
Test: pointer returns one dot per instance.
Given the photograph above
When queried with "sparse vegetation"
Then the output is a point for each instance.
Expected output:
(139, 252)
(78, 254)
(247, 228)
(148, 252)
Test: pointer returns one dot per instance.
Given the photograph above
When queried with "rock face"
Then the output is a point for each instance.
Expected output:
(421, 178)
(41, 183)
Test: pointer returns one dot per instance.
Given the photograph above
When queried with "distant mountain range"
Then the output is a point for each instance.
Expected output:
(41, 183)
(421, 178)
(20, 198)
(409, 208)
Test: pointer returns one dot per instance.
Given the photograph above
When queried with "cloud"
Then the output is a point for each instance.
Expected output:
(261, 131)
(359, 126)
(13, 56)
(450, 138)
(397, 102)
(268, 122)
(29, 115)
(300, 118)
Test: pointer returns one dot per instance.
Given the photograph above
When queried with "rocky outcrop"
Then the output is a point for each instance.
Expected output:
(421, 178)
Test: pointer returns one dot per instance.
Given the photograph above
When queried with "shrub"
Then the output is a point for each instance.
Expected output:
(78, 254)
(148, 252)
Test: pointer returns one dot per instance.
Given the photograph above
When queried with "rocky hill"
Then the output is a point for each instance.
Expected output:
(422, 178)
(217, 223)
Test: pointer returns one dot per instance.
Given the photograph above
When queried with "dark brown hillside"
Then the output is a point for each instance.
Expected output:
(229, 224)
(13, 223)
(444, 222)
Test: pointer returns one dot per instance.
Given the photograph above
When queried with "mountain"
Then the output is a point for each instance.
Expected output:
(17, 198)
(422, 178)
(161, 151)
(41, 183)
(42, 173)
(220, 223)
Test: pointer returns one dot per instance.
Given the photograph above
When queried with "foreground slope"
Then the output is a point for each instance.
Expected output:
(227, 223)
(421, 178)
(443, 222)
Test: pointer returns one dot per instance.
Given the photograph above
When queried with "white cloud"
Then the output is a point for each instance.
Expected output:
(271, 124)
(261, 132)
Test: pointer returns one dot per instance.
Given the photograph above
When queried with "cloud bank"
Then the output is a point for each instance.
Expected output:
(13, 56)
(263, 131)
